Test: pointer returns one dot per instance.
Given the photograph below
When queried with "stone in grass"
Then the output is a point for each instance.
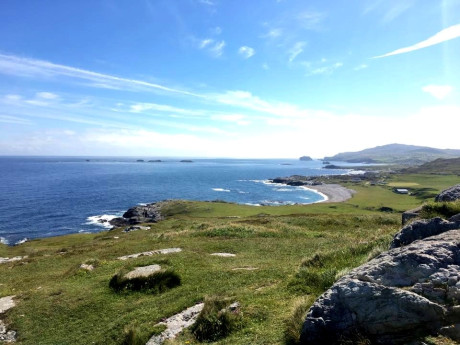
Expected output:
(150, 279)
(224, 255)
(143, 271)
(87, 267)
(135, 228)
(6, 303)
(150, 253)
(6, 335)
(16, 258)
(176, 324)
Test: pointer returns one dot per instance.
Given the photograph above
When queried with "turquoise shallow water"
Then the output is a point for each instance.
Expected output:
(50, 196)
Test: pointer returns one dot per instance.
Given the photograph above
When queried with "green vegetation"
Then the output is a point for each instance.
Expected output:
(285, 258)
(440, 209)
(154, 283)
(438, 166)
(216, 321)
(396, 154)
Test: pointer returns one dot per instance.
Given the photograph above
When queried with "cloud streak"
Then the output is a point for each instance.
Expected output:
(444, 35)
(27, 67)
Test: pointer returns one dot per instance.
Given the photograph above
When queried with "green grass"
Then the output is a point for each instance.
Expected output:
(296, 251)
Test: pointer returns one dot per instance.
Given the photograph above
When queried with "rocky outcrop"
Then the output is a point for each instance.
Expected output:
(450, 194)
(306, 158)
(403, 294)
(421, 229)
(411, 214)
(150, 213)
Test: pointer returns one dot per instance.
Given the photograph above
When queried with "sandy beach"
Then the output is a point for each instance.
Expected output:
(334, 192)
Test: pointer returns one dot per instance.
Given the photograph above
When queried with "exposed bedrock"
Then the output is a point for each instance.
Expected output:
(449, 194)
(149, 213)
(403, 294)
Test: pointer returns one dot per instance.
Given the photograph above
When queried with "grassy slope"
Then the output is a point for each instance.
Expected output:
(60, 304)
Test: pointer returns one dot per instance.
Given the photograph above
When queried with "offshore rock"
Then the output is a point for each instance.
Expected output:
(449, 194)
(149, 213)
(401, 295)
(421, 229)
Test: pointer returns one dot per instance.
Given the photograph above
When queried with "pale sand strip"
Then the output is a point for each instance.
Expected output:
(333, 192)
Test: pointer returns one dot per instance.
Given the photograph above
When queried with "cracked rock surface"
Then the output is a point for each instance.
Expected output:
(402, 294)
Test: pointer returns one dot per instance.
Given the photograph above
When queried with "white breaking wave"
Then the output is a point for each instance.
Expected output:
(221, 190)
(24, 240)
(103, 220)
(3, 240)
(284, 189)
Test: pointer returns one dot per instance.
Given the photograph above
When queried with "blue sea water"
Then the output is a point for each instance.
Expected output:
(51, 196)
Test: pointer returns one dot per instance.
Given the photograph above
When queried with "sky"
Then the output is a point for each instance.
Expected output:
(227, 78)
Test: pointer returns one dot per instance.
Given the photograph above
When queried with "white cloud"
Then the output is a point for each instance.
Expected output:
(438, 91)
(390, 9)
(311, 20)
(46, 95)
(207, 2)
(14, 120)
(142, 107)
(246, 52)
(274, 33)
(218, 49)
(442, 36)
(204, 43)
(32, 68)
(296, 50)
(325, 69)
(361, 67)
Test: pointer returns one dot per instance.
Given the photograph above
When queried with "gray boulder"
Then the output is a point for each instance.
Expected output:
(450, 194)
(403, 294)
(421, 229)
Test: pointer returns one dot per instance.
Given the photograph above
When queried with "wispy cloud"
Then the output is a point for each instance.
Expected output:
(207, 2)
(217, 49)
(318, 69)
(27, 67)
(205, 42)
(274, 33)
(390, 9)
(14, 119)
(361, 67)
(246, 52)
(296, 50)
(310, 20)
(438, 91)
(47, 95)
(444, 35)
(142, 107)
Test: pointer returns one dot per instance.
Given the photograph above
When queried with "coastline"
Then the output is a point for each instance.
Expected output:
(332, 192)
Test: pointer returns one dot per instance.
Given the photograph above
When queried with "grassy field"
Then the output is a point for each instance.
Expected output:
(59, 303)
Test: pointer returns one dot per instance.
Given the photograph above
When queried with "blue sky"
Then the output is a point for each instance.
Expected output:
(227, 78)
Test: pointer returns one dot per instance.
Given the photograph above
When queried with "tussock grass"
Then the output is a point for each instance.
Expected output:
(440, 209)
(215, 320)
(156, 282)
(293, 324)
(319, 271)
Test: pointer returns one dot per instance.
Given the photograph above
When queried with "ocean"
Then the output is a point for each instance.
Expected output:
(51, 196)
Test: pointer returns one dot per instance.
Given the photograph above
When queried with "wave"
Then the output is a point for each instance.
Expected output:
(3, 240)
(102, 220)
(284, 189)
(24, 240)
(221, 190)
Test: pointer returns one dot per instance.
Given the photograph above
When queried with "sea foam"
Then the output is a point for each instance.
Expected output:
(102, 220)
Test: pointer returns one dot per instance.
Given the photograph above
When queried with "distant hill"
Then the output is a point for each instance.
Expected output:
(306, 158)
(438, 166)
(396, 154)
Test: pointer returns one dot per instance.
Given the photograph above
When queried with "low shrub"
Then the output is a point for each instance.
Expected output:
(157, 282)
(216, 321)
